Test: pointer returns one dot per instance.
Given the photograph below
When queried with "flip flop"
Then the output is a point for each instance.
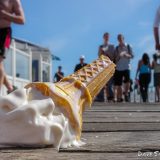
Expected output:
(14, 88)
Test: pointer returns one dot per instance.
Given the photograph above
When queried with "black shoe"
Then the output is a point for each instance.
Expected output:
(120, 100)
(110, 98)
(127, 98)
(99, 100)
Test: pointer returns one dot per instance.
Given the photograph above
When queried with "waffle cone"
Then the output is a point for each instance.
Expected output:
(94, 76)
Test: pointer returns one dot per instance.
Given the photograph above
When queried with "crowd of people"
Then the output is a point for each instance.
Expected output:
(119, 87)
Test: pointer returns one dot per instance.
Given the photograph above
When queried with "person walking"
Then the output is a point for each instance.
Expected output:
(11, 11)
(123, 55)
(156, 29)
(81, 64)
(156, 69)
(59, 74)
(144, 71)
(107, 49)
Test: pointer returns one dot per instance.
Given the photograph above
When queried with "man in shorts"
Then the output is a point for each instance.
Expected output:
(123, 54)
(156, 29)
(10, 12)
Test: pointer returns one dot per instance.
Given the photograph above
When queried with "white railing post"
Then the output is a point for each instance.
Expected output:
(40, 68)
(30, 65)
(51, 76)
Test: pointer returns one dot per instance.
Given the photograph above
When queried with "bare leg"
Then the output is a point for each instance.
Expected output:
(126, 91)
(7, 84)
(115, 93)
(158, 93)
(127, 86)
(3, 77)
(119, 92)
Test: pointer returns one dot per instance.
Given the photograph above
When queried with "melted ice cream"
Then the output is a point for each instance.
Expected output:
(29, 118)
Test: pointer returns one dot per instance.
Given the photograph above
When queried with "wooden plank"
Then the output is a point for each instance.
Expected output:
(97, 104)
(126, 108)
(122, 117)
(111, 131)
(120, 127)
(50, 154)
(120, 142)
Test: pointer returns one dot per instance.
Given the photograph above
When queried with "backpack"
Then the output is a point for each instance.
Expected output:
(128, 48)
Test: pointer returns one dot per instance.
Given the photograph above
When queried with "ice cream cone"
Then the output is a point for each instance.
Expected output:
(77, 91)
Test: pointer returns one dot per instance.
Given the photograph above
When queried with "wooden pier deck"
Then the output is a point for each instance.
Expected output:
(111, 132)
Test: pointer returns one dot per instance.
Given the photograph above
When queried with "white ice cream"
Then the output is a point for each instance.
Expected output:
(43, 114)
(29, 118)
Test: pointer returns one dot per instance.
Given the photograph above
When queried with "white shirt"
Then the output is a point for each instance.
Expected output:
(123, 63)
(108, 50)
(157, 18)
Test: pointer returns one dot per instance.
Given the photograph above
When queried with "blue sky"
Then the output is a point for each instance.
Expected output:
(70, 28)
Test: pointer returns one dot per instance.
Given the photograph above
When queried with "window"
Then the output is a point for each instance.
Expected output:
(8, 62)
(22, 66)
(46, 59)
(35, 70)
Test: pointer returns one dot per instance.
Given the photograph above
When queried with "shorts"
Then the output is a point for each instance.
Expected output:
(156, 79)
(5, 40)
(121, 77)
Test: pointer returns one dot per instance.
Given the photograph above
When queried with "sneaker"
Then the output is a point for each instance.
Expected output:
(120, 100)
(110, 99)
